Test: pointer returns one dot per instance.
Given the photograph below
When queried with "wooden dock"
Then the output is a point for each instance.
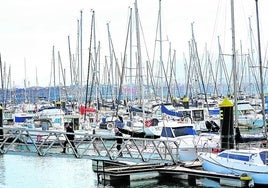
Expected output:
(118, 174)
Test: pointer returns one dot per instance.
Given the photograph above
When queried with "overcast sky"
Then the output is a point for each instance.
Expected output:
(30, 28)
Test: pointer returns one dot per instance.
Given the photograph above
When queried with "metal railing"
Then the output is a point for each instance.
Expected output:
(89, 145)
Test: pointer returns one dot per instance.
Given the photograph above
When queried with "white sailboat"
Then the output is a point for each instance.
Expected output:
(251, 161)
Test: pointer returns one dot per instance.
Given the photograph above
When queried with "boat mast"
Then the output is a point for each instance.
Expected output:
(261, 72)
(89, 60)
(25, 83)
(70, 60)
(161, 51)
(130, 56)
(250, 55)
(111, 76)
(234, 64)
(54, 72)
(139, 59)
(59, 70)
(81, 56)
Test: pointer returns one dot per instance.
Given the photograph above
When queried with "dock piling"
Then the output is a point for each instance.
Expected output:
(191, 180)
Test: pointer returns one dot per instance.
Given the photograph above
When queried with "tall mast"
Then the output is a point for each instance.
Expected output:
(130, 55)
(140, 76)
(70, 60)
(81, 55)
(234, 63)
(112, 69)
(77, 55)
(54, 72)
(261, 73)
(89, 60)
(161, 50)
(25, 82)
(250, 55)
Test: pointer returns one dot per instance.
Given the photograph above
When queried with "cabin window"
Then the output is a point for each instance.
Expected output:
(198, 115)
(186, 113)
(239, 113)
(57, 120)
(234, 156)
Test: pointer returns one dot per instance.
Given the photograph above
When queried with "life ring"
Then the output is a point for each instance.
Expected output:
(148, 123)
(110, 126)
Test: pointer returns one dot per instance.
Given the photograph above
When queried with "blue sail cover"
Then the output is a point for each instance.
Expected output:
(169, 112)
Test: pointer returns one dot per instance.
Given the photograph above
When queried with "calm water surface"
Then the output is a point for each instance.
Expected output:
(28, 170)
(45, 172)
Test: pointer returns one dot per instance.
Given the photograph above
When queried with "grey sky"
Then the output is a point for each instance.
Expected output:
(29, 29)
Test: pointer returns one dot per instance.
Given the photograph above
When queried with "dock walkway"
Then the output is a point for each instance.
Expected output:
(87, 145)
(141, 157)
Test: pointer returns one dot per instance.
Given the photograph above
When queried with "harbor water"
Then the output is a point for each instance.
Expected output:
(45, 172)
(28, 170)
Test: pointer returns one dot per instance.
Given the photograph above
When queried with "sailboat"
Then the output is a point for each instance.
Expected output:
(251, 162)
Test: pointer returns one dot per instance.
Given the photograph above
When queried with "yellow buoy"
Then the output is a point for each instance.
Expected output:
(245, 177)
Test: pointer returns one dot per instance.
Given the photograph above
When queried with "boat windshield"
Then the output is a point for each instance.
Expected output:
(177, 131)
(264, 157)
(182, 131)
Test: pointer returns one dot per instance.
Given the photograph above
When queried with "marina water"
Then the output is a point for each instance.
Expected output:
(29, 170)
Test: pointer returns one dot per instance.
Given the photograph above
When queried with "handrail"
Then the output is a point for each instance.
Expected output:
(45, 142)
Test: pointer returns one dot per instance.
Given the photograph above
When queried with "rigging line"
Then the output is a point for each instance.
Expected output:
(214, 30)
(123, 65)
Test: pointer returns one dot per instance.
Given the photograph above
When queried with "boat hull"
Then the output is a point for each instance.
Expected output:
(211, 162)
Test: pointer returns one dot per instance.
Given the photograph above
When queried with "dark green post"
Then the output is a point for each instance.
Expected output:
(227, 124)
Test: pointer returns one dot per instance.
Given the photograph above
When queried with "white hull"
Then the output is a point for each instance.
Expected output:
(214, 163)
